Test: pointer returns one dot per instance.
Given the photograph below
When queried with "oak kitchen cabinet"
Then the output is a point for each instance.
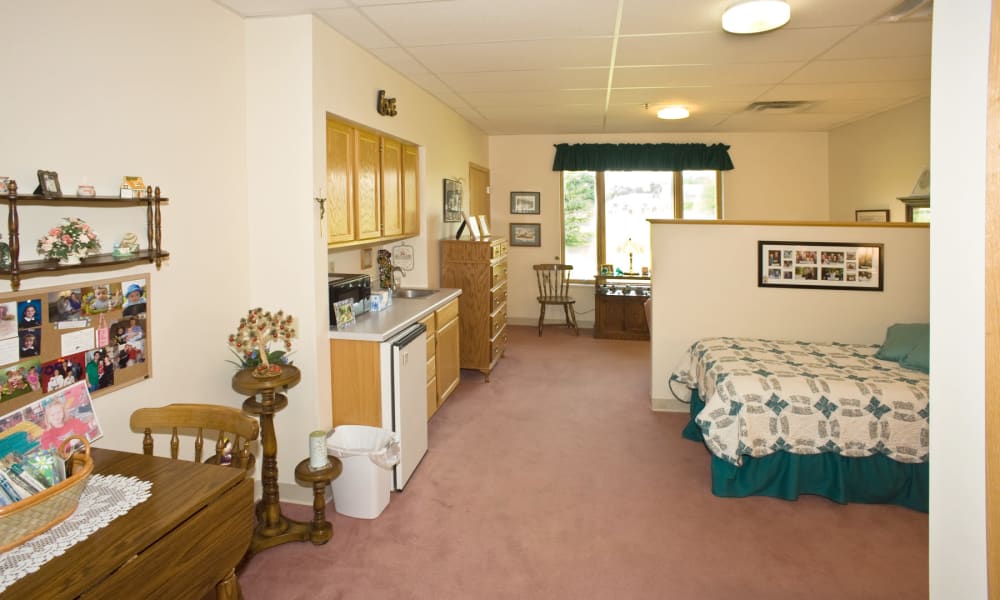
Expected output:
(371, 186)
(443, 371)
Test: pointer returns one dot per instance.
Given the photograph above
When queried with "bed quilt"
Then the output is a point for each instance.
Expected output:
(766, 396)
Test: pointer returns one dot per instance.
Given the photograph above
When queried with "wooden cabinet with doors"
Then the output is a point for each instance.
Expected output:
(443, 372)
(371, 187)
(479, 268)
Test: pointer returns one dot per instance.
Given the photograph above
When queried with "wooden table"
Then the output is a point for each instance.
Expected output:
(182, 542)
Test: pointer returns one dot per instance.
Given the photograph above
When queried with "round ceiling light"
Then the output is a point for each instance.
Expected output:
(756, 16)
(673, 112)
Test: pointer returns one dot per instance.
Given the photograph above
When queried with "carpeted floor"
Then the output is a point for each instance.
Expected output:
(556, 480)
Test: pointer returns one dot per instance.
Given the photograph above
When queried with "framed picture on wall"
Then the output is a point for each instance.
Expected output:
(452, 201)
(525, 234)
(872, 216)
(525, 203)
(820, 265)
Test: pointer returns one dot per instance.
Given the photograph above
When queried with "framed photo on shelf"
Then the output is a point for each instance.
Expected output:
(484, 228)
(872, 216)
(525, 203)
(473, 227)
(525, 234)
(48, 184)
(607, 269)
(822, 265)
(452, 201)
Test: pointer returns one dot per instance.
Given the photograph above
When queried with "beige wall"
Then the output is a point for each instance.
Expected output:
(874, 161)
(157, 90)
(777, 176)
(705, 285)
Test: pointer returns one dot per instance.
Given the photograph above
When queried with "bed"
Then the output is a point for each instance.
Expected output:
(784, 418)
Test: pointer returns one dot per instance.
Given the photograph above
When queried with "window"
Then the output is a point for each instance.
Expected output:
(605, 212)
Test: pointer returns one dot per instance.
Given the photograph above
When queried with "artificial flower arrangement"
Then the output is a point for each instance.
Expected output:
(70, 240)
(251, 342)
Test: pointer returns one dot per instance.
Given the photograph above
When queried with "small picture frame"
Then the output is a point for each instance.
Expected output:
(607, 269)
(821, 265)
(525, 203)
(484, 229)
(452, 201)
(461, 228)
(48, 184)
(525, 234)
(872, 216)
(344, 309)
(473, 227)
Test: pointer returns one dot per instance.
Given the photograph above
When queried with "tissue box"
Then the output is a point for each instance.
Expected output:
(380, 300)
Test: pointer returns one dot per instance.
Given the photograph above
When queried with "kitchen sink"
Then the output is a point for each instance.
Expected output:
(412, 293)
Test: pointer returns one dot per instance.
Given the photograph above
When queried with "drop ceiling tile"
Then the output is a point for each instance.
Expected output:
(535, 98)
(856, 105)
(469, 21)
(260, 8)
(353, 25)
(718, 47)
(787, 122)
(885, 40)
(400, 60)
(864, 70)
(743, 94)
(512, 56)
(840, 91)
(684, 75)
(529, 80)
(431, 82)
(585, 111)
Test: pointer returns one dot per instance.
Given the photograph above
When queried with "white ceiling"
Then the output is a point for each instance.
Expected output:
(591, 66)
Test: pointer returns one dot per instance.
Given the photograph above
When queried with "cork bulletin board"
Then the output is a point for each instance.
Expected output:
(54, 337)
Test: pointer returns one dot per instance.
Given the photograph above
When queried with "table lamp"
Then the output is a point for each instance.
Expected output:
(630, 247)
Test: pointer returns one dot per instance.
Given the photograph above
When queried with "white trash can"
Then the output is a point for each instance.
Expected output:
(368, 455)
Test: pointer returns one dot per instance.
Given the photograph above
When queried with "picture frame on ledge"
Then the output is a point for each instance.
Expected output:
(484, 228)
(48, 184)
(872, 216)
(473, 227)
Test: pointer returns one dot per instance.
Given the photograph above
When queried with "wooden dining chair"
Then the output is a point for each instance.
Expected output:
(229, 425)
(553, 289)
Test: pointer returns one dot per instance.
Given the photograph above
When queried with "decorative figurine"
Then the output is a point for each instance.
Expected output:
(226, 458)
(128, 246)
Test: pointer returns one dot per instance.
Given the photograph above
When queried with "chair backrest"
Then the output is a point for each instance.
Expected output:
(230, 424)
(553, 280)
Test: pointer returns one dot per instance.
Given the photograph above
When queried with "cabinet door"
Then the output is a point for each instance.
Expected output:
(339, 182)
(392, 196)
(448, 373)
(366, 177)
(411, 203)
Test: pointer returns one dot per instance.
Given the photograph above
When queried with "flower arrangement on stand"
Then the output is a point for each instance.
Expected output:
(251, 342)
(69, 241)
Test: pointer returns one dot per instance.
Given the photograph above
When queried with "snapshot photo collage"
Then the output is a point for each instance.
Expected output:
(821, 266)
(88, 335)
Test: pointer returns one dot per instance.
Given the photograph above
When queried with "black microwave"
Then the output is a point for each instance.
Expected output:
(345, 286)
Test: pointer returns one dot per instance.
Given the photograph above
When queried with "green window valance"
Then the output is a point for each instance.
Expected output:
(642, 157)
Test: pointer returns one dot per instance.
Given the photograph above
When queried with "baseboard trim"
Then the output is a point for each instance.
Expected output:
(670, 405)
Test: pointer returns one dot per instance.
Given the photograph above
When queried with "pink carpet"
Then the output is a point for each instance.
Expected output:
(556, 480)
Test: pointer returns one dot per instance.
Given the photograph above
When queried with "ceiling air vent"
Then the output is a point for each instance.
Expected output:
(778, 106)
(908, 10)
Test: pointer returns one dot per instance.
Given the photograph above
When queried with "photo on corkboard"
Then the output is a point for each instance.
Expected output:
(62, 372)
(31, 342)
(101, 298)
(29, 313)
(8, 320)
(100, 369)
(135, 299)
(20, 378)
(65, 305)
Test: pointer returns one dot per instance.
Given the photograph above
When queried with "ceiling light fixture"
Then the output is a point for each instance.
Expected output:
(756, 16)
(673, 112)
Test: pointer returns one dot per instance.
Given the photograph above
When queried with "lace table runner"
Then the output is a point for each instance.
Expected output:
(105, 498)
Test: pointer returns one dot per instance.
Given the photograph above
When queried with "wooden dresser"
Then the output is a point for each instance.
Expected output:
(480, 270)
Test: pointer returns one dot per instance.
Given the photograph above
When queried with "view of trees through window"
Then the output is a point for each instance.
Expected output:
(605, 213)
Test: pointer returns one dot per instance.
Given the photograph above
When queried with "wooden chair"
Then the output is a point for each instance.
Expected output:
(228, 423)
(553, 288)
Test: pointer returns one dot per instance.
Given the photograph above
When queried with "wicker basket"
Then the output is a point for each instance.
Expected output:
(21, 521)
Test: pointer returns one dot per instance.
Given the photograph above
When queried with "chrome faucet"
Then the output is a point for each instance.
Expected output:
(392, 273)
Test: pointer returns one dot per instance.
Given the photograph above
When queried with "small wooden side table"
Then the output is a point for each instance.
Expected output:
(321, 530)
(272, 528)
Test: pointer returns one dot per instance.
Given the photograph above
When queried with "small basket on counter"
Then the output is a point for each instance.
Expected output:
(32, 516)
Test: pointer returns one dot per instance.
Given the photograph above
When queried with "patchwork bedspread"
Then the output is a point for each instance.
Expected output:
(765, 396)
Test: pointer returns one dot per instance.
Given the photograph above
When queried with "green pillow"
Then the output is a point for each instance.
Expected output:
(919, 359)
(901, 339)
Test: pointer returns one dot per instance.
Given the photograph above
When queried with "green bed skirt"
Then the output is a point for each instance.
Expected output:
(874, 479)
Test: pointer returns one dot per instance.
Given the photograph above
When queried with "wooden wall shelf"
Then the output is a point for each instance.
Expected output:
(153, 253)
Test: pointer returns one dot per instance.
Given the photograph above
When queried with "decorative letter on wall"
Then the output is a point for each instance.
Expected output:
(385, 106)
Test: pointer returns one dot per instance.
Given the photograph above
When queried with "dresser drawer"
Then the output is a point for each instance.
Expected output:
(497, 345)
(499, 272)
(499, 248)
(498, 297)
(497, 321)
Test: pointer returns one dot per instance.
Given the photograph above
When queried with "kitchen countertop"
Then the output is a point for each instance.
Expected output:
(382, 325)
